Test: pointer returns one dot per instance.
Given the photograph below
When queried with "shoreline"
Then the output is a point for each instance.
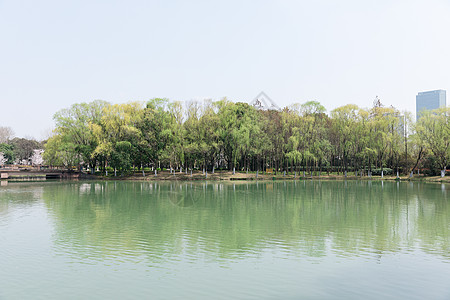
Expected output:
(228, 176)
(217, 176)
(243, 176)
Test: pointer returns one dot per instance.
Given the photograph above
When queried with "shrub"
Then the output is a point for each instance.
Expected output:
(386, 171)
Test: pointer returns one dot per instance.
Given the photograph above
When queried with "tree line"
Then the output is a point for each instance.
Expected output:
(18, 151)
(236, 136)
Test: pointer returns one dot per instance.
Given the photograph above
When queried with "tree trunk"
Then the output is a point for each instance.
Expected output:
(418, 159)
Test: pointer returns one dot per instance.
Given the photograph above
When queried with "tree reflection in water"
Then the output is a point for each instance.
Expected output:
(234, 220)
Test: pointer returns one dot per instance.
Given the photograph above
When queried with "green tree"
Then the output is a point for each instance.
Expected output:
(23, 148)
(239, 124)
(383, 134)
(172, 134)
(344, 122)
(210, 143)
(193, 141)
(8, 152)
(433, 128)
(60, 151)
(316, 145)
(74, 125)
(117, 135)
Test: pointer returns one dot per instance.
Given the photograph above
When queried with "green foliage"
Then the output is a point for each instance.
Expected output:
(59, 151)
(386, 171)
(8, 152)
(121, 156)
(23, 148)
(74, 125)
(227, 135)
(433, 129)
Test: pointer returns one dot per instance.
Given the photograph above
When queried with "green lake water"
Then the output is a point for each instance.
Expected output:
(220, 240)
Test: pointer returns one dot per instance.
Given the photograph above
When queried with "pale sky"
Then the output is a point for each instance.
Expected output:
(57, 53)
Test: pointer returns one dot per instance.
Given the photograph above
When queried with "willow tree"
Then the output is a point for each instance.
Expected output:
(316, 143)
(172, 134)
(73, 125)
(192, 134)
(364, 153)
(292, 135)
(271, 124)
(209, 131)
(383, 123)
(238, 123)
(117, 134)
(61, 151)
(433, 128)
(344, 122)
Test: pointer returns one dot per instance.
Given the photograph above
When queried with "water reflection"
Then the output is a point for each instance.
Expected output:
(16, 194)
(215, 220)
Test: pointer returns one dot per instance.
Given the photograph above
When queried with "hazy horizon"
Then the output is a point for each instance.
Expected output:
(55, 54)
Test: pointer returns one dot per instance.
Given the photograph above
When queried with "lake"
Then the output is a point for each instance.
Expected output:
(224, 240)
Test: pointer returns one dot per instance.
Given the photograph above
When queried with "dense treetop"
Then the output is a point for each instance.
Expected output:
(225, 134)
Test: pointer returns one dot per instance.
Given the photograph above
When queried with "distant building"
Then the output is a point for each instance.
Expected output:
(429, 101)
(263, 102)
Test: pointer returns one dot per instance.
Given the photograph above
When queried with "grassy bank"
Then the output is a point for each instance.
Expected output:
(239, 176)
(229, 176)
